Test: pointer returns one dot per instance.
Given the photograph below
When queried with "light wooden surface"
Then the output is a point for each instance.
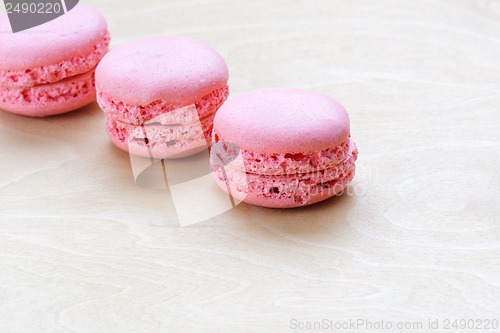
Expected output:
(84, 249)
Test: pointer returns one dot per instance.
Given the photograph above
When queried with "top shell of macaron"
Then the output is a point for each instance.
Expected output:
(281, 120)
(70, 35)
(176, 69)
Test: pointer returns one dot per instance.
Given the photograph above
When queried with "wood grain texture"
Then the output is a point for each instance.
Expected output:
(84, 249)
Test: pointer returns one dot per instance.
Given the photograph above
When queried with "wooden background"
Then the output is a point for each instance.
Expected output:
(84, 249)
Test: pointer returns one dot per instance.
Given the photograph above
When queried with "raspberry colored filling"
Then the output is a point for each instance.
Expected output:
(64, 90)
(290, 163)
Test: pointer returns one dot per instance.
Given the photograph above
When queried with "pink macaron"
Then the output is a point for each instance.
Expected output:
(282, 148)
(160, 95)
(49, 69)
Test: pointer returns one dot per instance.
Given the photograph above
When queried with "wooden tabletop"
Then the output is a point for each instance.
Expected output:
(83, 248)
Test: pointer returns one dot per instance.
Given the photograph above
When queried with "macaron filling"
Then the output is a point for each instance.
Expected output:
(285, 163)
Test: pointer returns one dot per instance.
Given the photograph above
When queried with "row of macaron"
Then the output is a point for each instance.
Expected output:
(166, 97)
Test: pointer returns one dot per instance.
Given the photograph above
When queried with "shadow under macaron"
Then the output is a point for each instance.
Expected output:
(329, 217)
(84, 118)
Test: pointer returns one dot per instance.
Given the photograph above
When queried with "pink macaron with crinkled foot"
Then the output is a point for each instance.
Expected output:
(160, 95)
(282, 148)
(49, 69)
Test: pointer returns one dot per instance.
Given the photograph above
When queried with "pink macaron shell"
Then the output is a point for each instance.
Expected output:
(71, 35)
(281, 120)
(49, 99)
(178, 70)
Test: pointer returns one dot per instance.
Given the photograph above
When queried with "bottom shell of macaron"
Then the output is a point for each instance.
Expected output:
(288, 190)
(49, 99)
(160, 138)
